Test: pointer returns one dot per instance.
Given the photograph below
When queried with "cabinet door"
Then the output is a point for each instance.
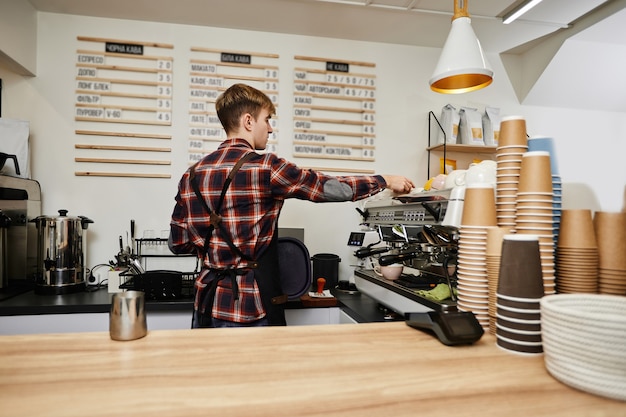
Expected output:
(308, 316)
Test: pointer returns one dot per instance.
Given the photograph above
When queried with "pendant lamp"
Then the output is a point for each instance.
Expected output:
(462, 66)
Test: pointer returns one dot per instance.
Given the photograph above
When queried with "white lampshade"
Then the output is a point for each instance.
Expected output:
(462, 66)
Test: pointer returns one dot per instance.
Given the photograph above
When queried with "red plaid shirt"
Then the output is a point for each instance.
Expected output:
(250, 212)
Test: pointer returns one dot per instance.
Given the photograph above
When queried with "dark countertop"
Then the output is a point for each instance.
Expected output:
(360, 307)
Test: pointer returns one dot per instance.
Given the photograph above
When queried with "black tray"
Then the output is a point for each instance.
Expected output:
(162, 284)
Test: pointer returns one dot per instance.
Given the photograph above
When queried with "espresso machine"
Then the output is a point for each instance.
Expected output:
(20, 202)
(417, 230)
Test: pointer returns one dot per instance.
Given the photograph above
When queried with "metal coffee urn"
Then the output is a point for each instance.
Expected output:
(60, 253)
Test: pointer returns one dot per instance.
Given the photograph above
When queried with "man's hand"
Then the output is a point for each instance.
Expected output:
(398, 183)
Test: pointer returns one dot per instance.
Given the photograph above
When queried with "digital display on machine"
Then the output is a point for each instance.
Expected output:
(356, 239)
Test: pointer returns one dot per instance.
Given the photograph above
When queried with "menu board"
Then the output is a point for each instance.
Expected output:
(120, 84)
(334, 110)
(211, 71)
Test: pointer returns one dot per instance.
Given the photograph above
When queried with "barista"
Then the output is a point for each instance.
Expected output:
(239, 284)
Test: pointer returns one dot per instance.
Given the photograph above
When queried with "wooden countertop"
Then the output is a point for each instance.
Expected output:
(378, 369)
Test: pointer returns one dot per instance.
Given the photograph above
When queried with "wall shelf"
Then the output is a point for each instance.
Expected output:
(455, 148)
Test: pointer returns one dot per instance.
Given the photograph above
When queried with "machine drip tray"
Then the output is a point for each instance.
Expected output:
(397, 296)
(415, 282)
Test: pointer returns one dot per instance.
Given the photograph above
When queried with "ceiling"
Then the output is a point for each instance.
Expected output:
(406, 22)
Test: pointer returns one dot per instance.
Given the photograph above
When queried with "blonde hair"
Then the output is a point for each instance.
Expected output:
(238, 100)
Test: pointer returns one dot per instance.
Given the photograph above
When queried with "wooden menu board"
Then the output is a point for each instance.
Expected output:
(211, 71)
(334, 109)
(123, 95)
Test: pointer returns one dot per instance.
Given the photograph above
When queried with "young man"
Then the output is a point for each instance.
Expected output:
(239, 284)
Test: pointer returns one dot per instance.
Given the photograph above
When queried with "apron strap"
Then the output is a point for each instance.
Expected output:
(215, 218)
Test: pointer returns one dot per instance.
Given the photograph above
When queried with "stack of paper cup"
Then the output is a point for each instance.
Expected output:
(610, 229)
(495, 235)
(479, 214)
(534, 210)
(577, 253)
(545, 143)
(512, 144)
(520, 289)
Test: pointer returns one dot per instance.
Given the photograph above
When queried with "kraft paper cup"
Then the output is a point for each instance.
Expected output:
(495, 235)
(512, 131)
(512, 148)
(610, 231)
(509, 167)
(577, 230)
(513, 157)
(544, 143)
(535, 173)
(479, 208)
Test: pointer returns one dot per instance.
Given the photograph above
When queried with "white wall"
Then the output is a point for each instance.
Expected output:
(18, 36)
(590, 145)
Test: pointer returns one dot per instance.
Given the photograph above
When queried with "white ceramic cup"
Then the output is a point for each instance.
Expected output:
(390, 272)
(455, 178)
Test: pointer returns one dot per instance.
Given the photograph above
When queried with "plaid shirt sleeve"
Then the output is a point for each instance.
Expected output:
(289, 181)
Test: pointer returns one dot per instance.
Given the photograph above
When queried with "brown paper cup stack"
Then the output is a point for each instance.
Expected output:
(512, 144)
(520, 289)
(479, 214)
(610, 230)
(577, 253)
(495, 236)
(533, 213)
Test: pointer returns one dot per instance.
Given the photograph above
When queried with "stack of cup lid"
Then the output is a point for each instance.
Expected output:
(495, 234)
(520, 289)
(577, 253)
(479, 214)
(534, 210)
(610, 230)
(545, 143)
(512, 144)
